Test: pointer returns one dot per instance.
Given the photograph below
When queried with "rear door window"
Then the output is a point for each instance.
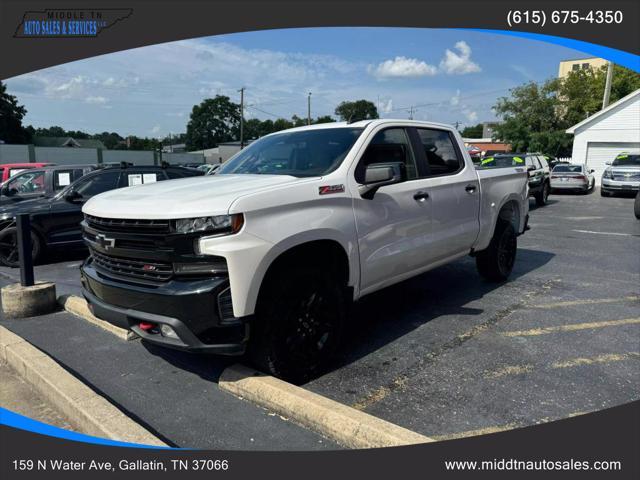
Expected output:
(443, 158)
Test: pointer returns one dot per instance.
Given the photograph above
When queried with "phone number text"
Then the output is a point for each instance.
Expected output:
(541, 17)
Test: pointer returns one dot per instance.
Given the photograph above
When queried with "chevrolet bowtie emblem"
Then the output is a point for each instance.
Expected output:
(105, 242)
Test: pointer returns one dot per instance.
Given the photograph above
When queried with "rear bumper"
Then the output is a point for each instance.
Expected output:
(190, 308)
(556, 185)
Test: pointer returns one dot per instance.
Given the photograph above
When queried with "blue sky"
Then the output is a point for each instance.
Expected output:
(448, 75)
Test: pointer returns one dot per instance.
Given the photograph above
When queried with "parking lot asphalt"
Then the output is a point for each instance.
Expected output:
(445, 354)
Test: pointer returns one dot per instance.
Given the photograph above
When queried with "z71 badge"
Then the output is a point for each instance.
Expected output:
(328, 189)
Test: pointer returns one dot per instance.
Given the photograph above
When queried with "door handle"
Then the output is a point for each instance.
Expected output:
(421, 196)
(470, 188)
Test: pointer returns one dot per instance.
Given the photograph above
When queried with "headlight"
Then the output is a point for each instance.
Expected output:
(608, 174)
(215, 224)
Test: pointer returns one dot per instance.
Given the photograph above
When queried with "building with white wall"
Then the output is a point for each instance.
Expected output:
(602, 136)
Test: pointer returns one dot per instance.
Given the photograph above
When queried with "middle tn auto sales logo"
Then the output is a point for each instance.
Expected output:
(66, 23)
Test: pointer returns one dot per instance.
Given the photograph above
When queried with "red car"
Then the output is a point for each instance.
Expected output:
(10, 169)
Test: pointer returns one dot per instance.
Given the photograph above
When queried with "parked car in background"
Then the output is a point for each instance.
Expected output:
(572, 177)
(537, 166)
(622, 175)
(209, 169)
(267, 253)
(55, 219)
(39, 182)
(8, 170)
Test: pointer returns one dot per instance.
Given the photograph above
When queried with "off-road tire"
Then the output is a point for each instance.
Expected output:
(495, 263)
(298, 323)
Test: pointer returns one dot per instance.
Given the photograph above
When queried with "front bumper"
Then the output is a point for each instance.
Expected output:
(189, 307)
(619, 186)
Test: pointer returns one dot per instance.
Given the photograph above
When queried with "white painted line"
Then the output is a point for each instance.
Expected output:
(606, 233)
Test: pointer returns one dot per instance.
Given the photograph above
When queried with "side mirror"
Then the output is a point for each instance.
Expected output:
(608, 162)
(592, 171)
(530, 168)
(73, 197)
(8, 192)
(379, 175)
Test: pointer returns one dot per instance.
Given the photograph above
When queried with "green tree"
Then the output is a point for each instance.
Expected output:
(581, 92)
(358, 110)
(11, 115)
(532, 121)
(215, 120)
(474, 131)
(324, 119)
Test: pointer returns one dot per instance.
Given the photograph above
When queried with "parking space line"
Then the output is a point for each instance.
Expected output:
(594, 301)
(606, 233)
(510, 370)
(606, 358)
(571, 327)
(574, 362)
(380, 394)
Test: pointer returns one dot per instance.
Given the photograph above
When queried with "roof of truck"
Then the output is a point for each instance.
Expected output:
(364, 123)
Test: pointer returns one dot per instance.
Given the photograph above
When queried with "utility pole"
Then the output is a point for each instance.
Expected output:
(607, 85)
(309, 109)
(241, 118)
(411, 112)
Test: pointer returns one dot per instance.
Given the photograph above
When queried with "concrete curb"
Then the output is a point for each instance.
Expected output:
(345, 425)
(90, 412)
(78, 306)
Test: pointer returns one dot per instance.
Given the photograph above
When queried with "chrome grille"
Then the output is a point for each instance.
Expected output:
(152, 271)
(622, 177)
(128, 225)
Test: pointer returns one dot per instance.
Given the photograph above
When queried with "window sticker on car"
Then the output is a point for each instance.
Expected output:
(149, 178)
(135, 179)
(64, 179)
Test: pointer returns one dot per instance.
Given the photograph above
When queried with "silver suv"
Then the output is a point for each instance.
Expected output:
(622, 175)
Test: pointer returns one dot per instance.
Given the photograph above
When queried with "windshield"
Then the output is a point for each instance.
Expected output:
(568, 168)
(627, 160)
(307, 153)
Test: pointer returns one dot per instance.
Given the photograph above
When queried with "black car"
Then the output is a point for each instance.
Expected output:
(55, 219)
(41, 182)
(537, 166)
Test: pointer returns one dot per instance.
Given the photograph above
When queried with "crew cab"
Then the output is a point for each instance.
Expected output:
(8, 170)
(55, 218)
(40, 182)
(265, 255)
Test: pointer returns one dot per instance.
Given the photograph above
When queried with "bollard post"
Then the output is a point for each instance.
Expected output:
(23, 227)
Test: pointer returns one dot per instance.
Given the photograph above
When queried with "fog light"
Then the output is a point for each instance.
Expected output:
(168, 332)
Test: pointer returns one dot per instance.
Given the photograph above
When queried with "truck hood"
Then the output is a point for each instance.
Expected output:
(183, 198)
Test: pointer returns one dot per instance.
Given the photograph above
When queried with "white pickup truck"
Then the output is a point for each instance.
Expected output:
(266, 255)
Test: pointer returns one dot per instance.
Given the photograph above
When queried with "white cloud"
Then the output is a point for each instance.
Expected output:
(459, 63)
(155, 130)
(455, 100)
(471, 115)
(387, 106)
(96, 100)
(403, 67)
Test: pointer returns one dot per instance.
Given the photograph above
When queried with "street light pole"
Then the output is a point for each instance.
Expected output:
(309, 109)
(241, 118)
